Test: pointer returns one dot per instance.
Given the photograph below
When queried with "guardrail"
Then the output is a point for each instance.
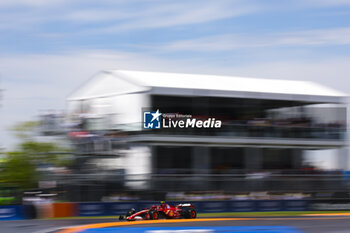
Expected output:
(91, 209)
(98, 209)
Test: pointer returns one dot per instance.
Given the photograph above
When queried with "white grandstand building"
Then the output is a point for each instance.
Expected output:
(267, 124)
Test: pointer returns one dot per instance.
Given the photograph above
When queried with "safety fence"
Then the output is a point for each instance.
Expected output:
(56, 210)
(91, 209)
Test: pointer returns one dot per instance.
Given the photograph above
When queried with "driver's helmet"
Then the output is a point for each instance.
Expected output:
(164, 205)
(130, 212)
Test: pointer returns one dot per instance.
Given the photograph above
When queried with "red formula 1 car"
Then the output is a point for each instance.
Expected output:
(163, 211)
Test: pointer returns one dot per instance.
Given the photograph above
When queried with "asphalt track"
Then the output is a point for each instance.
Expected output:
(305, 224)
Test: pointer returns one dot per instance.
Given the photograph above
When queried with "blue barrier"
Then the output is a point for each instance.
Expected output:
(296, 205)
(269, 205)
(28, 211)
(252, 206)
(212, 206)
(242, 206)
(15, 212)
(118, 208)
(11, 212)
(92, 209)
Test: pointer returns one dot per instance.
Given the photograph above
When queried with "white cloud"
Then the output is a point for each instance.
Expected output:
(322, 37)
(168, 14)
(97, 15)
(326, 3)
(123, 15)
(332, 36)
(32, 3)
(117, 16)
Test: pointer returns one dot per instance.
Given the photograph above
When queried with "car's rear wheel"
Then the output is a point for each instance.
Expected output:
(154, 215)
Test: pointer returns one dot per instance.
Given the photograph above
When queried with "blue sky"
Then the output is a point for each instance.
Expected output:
(49, 47)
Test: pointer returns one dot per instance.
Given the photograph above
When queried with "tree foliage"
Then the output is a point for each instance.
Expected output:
(19, 171)
(25, 130)
(19, 168)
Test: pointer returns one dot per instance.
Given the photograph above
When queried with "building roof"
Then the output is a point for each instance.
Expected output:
(126, 81)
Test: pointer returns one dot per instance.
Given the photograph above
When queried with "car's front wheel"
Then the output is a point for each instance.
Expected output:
(193, 213)
(189, 213)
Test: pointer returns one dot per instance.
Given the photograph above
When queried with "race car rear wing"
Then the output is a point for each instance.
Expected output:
(185, 205)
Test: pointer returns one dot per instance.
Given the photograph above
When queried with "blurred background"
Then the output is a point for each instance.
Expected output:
(76, 77)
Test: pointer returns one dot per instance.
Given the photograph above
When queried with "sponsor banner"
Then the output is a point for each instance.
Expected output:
(64, 210)
(242, 206)
(296, 205)
(212, 206)
(120, 208)
(330, 205)
(92, 209)
(11, 212)
(30, 212)
(158, 120)
(269, 205)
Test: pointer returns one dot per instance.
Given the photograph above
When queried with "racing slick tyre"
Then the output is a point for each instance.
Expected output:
(154, 215)
(193, 213)
(189, 213)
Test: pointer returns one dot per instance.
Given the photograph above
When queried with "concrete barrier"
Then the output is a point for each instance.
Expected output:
(11, 212)
(49, 210)
(61, 210)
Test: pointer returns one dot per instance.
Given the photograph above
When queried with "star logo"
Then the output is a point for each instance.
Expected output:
(151, 120)
(156, 115)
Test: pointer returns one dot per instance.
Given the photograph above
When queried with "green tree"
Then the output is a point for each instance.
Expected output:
(25, 130)
(19, 168)
(19, 171)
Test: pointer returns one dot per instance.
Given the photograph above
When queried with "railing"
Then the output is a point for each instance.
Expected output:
(250, 182)
(244, 130)
(101, 143)
(325, 132)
